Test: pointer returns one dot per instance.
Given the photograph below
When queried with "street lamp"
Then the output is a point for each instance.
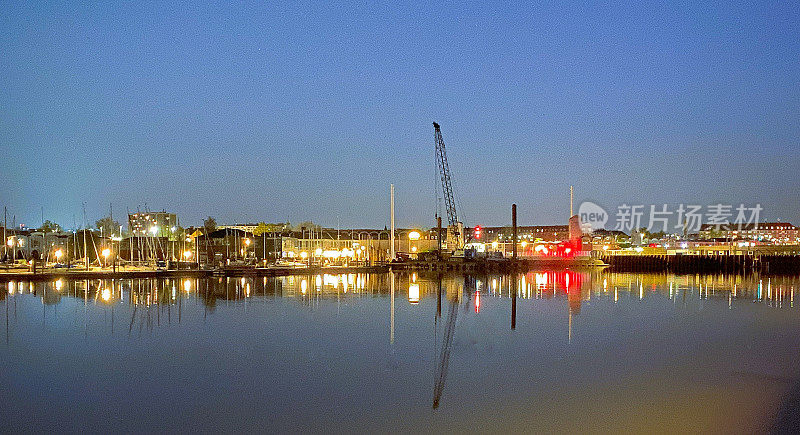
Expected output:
(413, 236)
(58, 255)
(106, 252)
(246, 245)
(10, 244)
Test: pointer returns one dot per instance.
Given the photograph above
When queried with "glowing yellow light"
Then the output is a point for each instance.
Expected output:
(58, 254)
(106, 294)
(187, 286)
(605, 247)
(541, 280)
(495, 245)
(59, 284)
(318, 252)
(106, 252)
(304, 255)
(413, 294)
(414, 235)
(413, 249)
(303, 286)
(247, 242)
(10, 242)
(524, 243)
(187, 254)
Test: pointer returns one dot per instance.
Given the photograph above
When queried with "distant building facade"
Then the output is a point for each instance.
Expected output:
(248, 228)
(778, 233)
(546, 233)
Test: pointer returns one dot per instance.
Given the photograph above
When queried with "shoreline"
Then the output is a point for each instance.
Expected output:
(181, 273)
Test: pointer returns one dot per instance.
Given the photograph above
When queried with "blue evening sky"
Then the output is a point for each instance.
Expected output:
(308, 110)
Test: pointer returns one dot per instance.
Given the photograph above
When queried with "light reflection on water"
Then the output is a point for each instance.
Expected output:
(380, 351)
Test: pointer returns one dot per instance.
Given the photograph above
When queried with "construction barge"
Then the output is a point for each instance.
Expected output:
(500, 264)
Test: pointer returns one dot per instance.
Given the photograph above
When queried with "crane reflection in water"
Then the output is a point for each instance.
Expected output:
(566, 281)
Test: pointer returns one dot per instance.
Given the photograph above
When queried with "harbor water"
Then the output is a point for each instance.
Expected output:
(557, 351)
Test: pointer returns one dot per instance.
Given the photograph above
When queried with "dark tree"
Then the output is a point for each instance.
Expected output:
(210, 224)
(108, 226)
(50, 227)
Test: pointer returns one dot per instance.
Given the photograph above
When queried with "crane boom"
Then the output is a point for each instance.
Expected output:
(444, 173)
(444, 355)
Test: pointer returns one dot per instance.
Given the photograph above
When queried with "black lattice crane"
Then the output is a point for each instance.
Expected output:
(444, 173)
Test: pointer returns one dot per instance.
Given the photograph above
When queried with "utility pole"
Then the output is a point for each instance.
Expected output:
(14, 248)
(85, 246)
(514, 268)
(5, 238)
(439, 243)
(570, 203)
(391, 207)
(514, 226)
(114, 259)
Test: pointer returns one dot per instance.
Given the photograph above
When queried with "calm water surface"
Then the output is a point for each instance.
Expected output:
(567, 351)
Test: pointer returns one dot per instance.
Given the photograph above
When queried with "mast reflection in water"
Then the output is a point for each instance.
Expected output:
(364, 351)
